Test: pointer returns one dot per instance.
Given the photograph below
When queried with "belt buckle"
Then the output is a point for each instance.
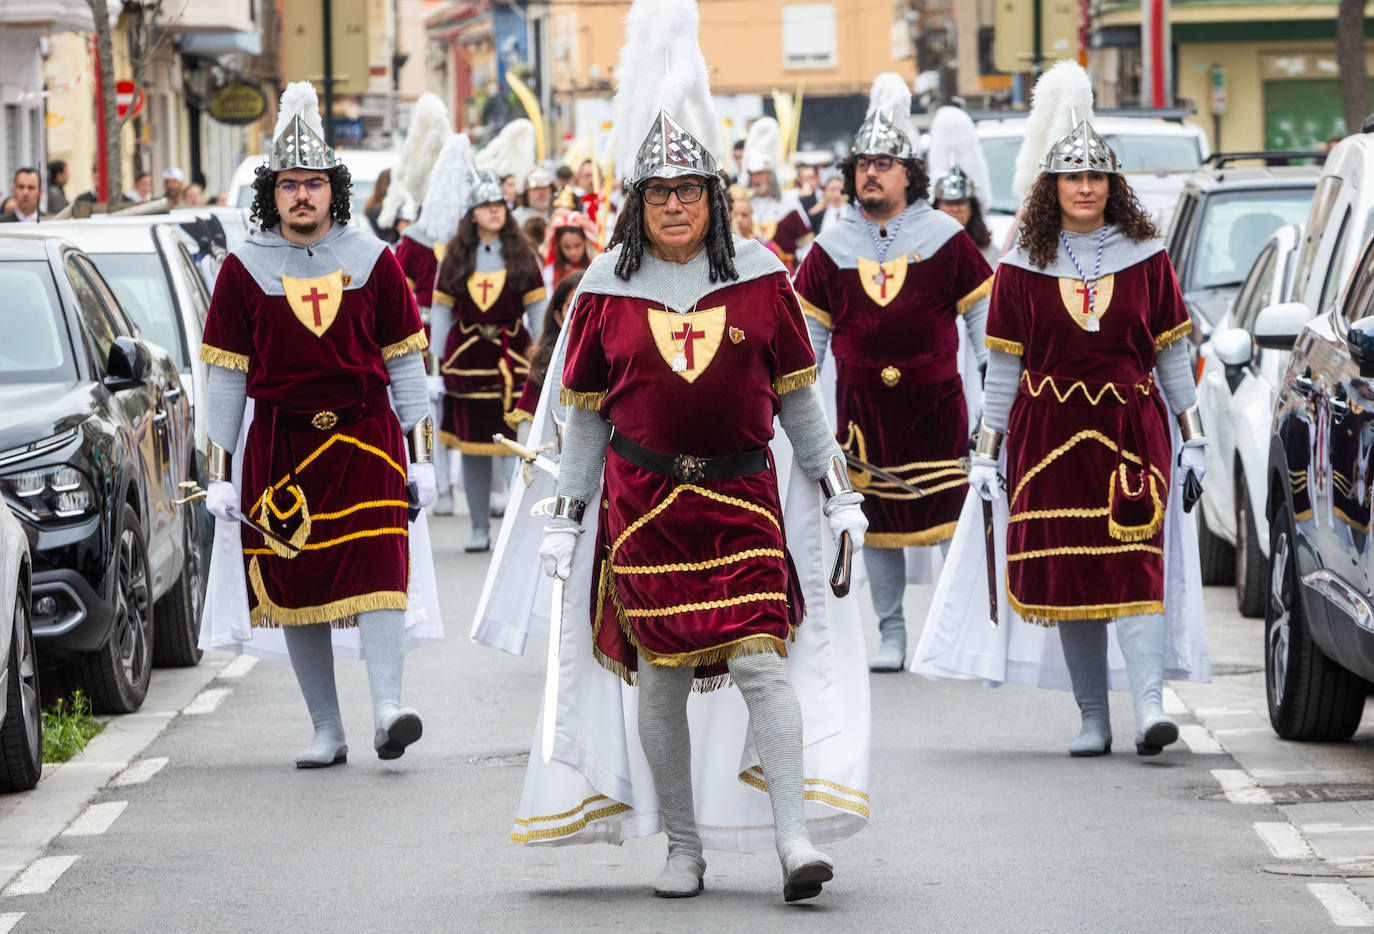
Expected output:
(323, 421)
(688, 469)
(891, 376)
(489, 331)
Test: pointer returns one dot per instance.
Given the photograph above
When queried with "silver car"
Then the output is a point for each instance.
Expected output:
(21, 725)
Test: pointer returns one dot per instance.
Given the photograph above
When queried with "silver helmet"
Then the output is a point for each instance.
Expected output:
(1081, 150)
(669, 151)
(879, 136)
(954, 185)
(300, 147)
(483, 188)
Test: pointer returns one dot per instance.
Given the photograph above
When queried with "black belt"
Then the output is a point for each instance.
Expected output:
(330, 419)
(688, 469)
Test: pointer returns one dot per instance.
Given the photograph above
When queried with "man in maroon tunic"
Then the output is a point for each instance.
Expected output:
(885, 287)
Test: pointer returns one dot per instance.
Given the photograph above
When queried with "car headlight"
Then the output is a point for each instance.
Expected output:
(60, 492)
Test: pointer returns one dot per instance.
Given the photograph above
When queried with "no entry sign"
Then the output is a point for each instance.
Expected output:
(128, 94)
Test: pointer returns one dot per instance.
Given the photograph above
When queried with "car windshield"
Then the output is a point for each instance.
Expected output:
(35, 348)
(1144, 152)
(1234, 227)
(141, 286)
(1000, 151)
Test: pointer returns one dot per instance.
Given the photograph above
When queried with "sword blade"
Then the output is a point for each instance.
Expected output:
(866, 467)
(533, 458)
(265, 532)
(991, 551)
(551, 673)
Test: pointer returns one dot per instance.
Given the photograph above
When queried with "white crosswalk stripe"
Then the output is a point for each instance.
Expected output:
(139, 771)
(96, 819)
(1347, 909)
(41, 875)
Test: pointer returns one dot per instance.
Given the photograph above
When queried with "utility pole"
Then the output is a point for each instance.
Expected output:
(328, 24)
(1037, 39)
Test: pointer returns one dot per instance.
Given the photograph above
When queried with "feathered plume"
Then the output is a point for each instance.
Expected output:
(762, 148)
(511, 152)
(953, 141)
(1062, 97)
(661, 68)
(299, 99)
(429, 127)
(891, 95)
(447, 197)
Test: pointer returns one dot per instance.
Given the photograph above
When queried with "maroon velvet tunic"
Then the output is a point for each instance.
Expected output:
(338, 493)
(690, 574)
(899, 399)
(486, 358)
(420, 265)
(1088, 452)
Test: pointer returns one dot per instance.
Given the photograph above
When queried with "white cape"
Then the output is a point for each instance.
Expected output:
(959, 642)
(224, 623)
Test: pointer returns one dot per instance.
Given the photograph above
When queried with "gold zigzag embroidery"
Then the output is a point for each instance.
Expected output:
(1035, 391)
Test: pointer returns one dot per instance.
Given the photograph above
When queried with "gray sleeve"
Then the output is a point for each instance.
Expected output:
(228, 392)
(409, 391)
(584, 454)
(803, 418)
(440, 322)
(820, 340)
(534, 316)
(999, 388)
(1176, 376)
(976, 321)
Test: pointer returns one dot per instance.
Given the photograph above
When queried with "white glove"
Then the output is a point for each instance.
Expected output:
(846, 514)
(556, 551)
(983, 477)
(436, 387)
(422, 475)
(1193, 459)
(221, 499)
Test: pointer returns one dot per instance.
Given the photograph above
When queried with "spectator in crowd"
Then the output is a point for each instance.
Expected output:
(836, 205)
(510, 190)
(173, 183)
(194, 196)
(534, 229)
(373, 209)
(28, 188)
(57, 180)
(585, 182)
(143, 187)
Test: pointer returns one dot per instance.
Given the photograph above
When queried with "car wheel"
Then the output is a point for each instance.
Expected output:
(1310, 696)
(177, 643)
(1217, 557)
(116, 676)
(21, 734)
(1249, 567)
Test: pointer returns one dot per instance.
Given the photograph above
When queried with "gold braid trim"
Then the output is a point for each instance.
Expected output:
(678, 490)
(1173, 334)
(370, 504)
(700, 565)
(1079, 550)
(931, 536)
(342, 614)
(972, 298)
(811, 311)
(1048, 380)
(1087, 434)
(224, 358)
(755, 780)
(707, 605)
(473, 447)
(333, 439)
(797, 380)
(591, 401)
(1061, 514)
(1134, 533)
(897, 493)
(1006, 346)
(330, 543)
(514, 417)
(553, 833)
(414, 342)
(1048, 615)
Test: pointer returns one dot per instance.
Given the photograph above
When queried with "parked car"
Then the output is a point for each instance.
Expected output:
(1225, 215)
(95, 441)
(21, 721)
(1319, 618)
(1237, 386)
(364, 166)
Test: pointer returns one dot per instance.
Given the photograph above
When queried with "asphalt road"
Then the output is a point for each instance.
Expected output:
(981, 822)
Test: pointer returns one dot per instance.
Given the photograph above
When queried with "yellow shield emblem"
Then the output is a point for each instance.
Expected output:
(485, 288)
(697, 337)
(883, 281)
(1073, 292)
(766, 230)
(439, 250)
(315, 302)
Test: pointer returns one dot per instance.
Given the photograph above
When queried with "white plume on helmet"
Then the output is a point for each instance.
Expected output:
(299, 100)
(954, 141)
(447, 196)
(1063, 96)
(429, 125)
(762, 147)
(661, 68)
(891, 95)
(512, 152)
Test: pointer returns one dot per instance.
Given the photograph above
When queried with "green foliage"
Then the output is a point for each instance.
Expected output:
(67, 727)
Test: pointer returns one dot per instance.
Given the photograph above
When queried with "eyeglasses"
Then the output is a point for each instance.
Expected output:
(878, 165)
(689, 193)
(312, 185)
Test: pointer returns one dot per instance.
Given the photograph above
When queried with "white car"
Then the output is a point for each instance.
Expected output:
(21, 723)
(364, 166)
(1237, 386)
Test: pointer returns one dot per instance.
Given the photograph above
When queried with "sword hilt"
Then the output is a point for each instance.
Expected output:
(193, 491)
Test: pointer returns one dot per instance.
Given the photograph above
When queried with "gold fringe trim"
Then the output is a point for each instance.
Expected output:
(473, 447)
(441, 298)
(1047, 615)
(230, 361)
(532, 296)
(811, 311)
(553, 833)
(1134, 533)
(514, 417)
(1006, 346)
(1173, 334)
(591, 401)
(972, 298)
(410, 282)
(931, 536)
(797, 380)
(341, 613)
(414, 342)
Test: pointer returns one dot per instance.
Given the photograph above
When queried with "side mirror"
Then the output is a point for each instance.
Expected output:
(1360, 339)
(1233, 346)
(1277, 327)
(129, 362)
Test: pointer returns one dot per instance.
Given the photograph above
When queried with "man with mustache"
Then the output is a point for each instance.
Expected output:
(885, 285)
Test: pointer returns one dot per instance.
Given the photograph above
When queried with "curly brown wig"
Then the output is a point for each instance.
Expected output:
(1041, 219)
(460, 259)
(917, 180)
(264, 211)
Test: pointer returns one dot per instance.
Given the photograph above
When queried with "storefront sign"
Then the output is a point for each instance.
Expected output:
(237, 103)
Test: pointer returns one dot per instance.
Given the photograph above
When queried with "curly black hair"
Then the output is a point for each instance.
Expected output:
(264, 211)
(917, 179)
(720, 244)
(1041, 217)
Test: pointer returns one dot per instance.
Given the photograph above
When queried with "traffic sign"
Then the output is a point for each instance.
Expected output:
(127, 93)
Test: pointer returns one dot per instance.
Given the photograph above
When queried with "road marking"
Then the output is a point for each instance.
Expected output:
(1283, 840)
(1223, 711)
(206, 701)
(96, 819)
(1346, 908)
(1173, 704)
(1240, 787)
(1198, 740)
(139, 771)
(1336, 828)
(1241, 730)
(40, 875)
(238, 667)
(9, 920)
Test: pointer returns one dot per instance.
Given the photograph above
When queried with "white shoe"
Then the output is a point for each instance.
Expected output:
(498, 505)
(443, 505)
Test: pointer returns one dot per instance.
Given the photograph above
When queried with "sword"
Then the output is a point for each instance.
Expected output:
(194, 492)
(866, 467)
(839, 574)
(531, 458)
(991, 550)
